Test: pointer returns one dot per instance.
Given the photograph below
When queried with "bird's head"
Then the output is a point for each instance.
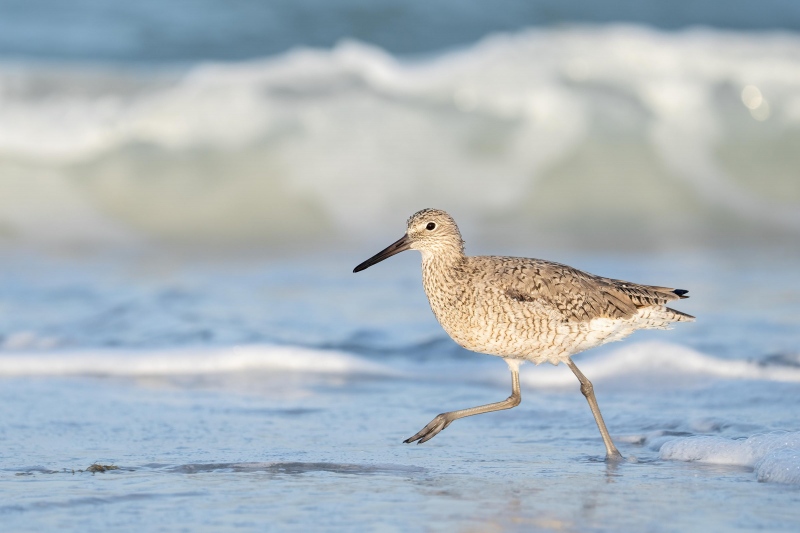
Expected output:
(431, 231)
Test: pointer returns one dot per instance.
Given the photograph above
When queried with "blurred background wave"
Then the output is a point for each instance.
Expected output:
(251, 126)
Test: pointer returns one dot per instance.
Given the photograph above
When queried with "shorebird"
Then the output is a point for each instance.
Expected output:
(524, 309)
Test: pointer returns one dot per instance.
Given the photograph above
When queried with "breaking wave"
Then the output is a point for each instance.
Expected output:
(687, 136)
(666, 363)
(637, 363)
(187, 361)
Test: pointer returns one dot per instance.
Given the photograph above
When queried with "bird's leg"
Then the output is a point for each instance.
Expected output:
(588, 390)
(445, 419)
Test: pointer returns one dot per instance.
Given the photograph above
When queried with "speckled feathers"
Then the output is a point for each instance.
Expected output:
(528, 308)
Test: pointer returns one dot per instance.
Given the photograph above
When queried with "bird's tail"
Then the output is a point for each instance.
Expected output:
(676, 316)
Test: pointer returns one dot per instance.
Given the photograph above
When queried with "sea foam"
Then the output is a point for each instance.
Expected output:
(304, 138)
(668, 364)
(774, 457)
(187, 361)
(662, 363)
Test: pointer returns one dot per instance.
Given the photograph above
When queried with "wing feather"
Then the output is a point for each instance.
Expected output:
(569, 293)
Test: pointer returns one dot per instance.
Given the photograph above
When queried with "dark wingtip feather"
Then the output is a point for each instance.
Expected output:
(681, 292)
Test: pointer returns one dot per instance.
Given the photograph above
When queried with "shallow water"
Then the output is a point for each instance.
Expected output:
(301, 425)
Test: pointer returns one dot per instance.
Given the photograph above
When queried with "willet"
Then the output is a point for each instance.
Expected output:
(524, 309)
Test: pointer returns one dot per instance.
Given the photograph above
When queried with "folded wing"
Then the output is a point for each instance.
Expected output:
(576, 296)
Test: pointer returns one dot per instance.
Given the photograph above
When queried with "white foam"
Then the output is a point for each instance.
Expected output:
(774, 457)
(187, 361)
(656, 362)
(780, 466)
(314, 130)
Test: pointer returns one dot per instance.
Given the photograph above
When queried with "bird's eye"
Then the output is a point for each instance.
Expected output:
(430, 226)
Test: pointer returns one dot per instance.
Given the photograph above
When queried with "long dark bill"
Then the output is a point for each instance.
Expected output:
(401, 245)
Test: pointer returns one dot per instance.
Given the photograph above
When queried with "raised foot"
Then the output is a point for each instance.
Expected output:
(432, 429)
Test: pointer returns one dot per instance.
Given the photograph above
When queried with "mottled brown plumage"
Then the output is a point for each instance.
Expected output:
(524, 309)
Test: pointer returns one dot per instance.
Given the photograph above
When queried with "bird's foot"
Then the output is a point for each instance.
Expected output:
(614, 456)
(432, 429)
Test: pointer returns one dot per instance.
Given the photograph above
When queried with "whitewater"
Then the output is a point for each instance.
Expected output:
(689, 136)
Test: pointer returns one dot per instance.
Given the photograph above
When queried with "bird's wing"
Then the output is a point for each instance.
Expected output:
(646, 295)
(571, 294)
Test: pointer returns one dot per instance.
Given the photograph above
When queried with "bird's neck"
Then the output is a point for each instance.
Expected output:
(441, 263)
(444, 278)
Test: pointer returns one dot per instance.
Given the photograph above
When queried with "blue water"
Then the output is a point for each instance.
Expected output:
(216, 421)
(204, 458)
(179, 31)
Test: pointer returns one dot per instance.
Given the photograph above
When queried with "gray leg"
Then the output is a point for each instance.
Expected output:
(588, 390)
(445, 419)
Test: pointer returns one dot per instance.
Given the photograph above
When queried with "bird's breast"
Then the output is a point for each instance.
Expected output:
(472, 314)
(484, 318)
(451, 297)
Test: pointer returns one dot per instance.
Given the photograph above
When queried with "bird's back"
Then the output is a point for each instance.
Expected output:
(540, 310)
